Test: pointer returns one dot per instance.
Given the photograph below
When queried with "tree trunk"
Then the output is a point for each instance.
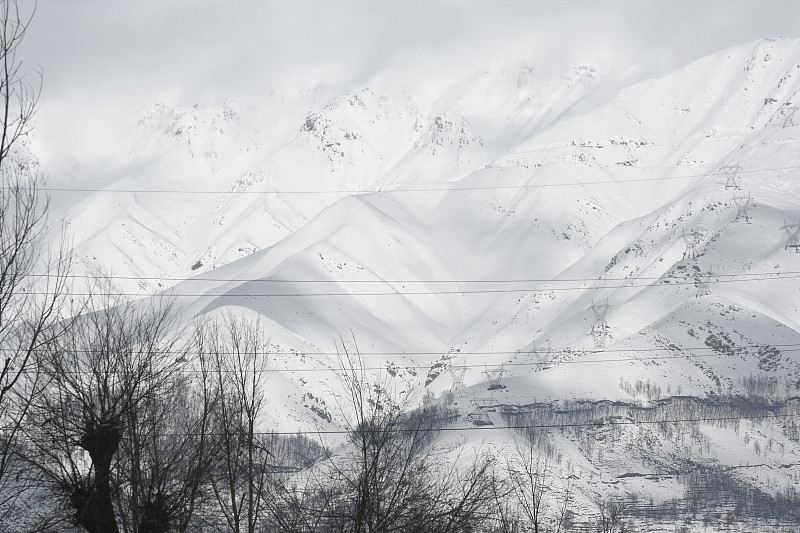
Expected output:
(93, 503)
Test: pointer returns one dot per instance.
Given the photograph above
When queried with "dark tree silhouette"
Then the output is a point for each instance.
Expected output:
(32, 282)
(101, 376)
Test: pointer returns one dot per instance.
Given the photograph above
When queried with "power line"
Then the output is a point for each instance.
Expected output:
(406, 190)
(745, 276)
(786, 347)
(666, 282)
(551, 364)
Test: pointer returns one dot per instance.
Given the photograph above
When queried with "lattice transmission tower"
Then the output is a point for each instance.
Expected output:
(691, 240)
(600, 326)
(731, 173)
(793, 236)
(704, 280)
(483, 406)
(742, 207)
(457, 373)
(494, 377)
(542, 355)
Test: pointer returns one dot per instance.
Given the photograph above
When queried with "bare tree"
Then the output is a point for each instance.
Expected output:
(506, 514)
(29, 303)
(299, 505)
(18, 96)
(29, 311)
(611, 516)
(536, 501)
(237, 352)
(386, 478)
(167, 452)
(100, 376)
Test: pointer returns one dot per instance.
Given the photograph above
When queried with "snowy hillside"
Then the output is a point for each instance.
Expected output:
(477, 226)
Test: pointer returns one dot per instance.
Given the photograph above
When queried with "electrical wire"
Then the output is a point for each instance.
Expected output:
(738, 350)
(665, 282)
(785, 347)
(411, 190)
(788, 274)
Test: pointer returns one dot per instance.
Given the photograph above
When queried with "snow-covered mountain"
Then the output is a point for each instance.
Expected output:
(476, 225)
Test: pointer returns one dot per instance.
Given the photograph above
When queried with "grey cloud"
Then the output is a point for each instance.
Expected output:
(104, 60)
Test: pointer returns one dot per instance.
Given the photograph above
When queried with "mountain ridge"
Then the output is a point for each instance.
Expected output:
(428, 235)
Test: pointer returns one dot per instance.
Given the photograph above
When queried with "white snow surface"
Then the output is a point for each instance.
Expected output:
(471, 226)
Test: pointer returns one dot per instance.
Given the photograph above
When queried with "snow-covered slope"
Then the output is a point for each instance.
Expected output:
(476, 226)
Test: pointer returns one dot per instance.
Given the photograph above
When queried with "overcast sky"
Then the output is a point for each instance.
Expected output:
(104, 60)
